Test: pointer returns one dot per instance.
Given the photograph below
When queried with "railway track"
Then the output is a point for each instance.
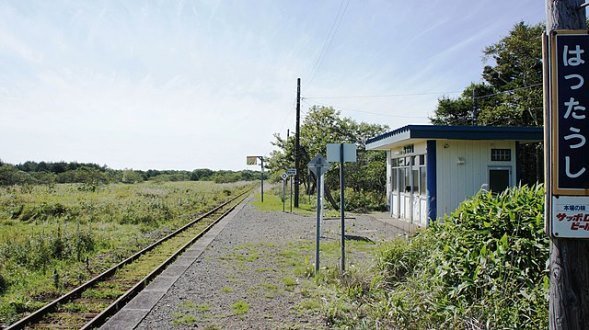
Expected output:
(89, 305)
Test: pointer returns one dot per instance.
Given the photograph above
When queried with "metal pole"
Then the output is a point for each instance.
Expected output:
(341, 206)
(318, 170)
(474, 110)
(262, 178)
(309, 187)
(297, 144)
(290, 195)
(283, 194)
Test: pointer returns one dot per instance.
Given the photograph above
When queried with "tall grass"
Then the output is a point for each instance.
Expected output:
(53, 237)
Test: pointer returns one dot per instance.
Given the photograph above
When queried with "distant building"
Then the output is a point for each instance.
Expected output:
(432, 169)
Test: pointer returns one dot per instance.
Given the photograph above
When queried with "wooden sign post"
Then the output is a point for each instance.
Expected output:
(566, 96)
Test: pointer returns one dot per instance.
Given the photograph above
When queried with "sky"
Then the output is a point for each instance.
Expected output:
(191, 84)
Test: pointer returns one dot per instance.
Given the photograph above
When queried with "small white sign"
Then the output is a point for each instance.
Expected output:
(291, 171)
(284, 176)
(570, 216)
(333, 152)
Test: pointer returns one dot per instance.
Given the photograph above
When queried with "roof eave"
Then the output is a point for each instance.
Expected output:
(404, 134)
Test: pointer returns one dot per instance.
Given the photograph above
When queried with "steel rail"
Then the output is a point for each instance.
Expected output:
(127, 296)
(77, 292)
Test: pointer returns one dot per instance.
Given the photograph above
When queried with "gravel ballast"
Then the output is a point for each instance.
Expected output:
(254, 274)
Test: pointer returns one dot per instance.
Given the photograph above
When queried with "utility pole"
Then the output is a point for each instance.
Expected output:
(569, 257)
(474, 108)
(297, 145)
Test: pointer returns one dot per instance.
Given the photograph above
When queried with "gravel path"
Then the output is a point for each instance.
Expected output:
(254, 274)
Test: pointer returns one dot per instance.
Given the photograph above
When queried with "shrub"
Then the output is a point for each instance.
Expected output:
(43, 211)
(361, 201)
(37, 251)
(2, 284)
(483, 266)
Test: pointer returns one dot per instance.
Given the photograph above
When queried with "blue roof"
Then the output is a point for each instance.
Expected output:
(433, 132)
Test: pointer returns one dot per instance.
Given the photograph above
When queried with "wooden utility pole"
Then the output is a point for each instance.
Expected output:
(297, 145)
(569, 257)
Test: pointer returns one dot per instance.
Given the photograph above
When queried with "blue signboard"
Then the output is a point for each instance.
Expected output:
(570, 114)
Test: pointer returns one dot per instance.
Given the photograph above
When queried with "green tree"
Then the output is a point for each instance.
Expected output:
(511, 93)
(131, 176)
(324, 125)
(201, 174)
(464, 110)
(10, 175)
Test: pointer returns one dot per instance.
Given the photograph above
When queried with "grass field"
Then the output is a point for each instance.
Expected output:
(54, 237)
(273, 202)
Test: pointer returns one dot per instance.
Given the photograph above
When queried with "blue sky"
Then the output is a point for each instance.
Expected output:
(193, 84)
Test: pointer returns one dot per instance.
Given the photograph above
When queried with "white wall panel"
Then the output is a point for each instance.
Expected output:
(456, 182)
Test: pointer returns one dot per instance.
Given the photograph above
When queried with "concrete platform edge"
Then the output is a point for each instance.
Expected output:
(128, 317)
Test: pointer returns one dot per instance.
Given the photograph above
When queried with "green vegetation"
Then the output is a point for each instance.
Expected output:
(185, 316)
(289, 283)
(307, 205)
(240, 307)
(93, 174)
(270, 290)
(323, 125)
(482, 267)
(511, 94)
(54, 237)
(202, 308)
(185, 319)
(226, 289)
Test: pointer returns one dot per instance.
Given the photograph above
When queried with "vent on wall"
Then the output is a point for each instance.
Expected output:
(501, 155)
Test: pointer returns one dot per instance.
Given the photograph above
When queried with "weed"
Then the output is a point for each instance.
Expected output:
(203, 308)
(240, 307)
(264, 270)
(76, 308)
(309, 304)
(188, 304)
(103, 293)
(270, 290)
(226, 289)
(211, 327)
(289, 283)
(183, 319)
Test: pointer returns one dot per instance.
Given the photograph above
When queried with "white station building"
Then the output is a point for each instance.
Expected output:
(432, 169)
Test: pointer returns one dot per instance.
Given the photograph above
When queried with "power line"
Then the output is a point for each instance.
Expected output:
(508, 91)
(381, 114)
(379, 96)
(359, 111)
(330, 36)
(413, 94)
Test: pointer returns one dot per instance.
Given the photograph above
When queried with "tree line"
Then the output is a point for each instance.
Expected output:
(73, 172)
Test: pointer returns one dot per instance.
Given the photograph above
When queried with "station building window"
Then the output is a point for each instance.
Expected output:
(408, 174)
